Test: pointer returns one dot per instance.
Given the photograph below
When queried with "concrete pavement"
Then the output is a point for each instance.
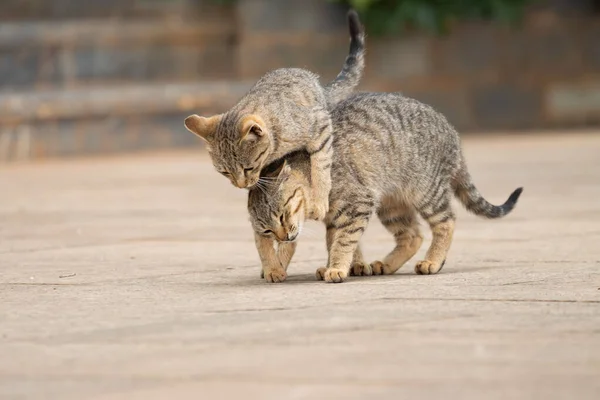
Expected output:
(137, 278)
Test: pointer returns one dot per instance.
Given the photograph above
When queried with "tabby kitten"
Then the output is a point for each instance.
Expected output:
(285, 111)
(391, 155)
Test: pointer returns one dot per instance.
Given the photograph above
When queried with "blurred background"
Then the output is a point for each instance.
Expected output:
(79, 77)
(137, 277)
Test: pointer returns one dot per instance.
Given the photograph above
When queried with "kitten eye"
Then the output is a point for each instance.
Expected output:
(246, 170)
(267, 232)
(281, 219)
(225, 173)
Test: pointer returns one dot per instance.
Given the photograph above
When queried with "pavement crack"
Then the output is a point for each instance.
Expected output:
(521, 282)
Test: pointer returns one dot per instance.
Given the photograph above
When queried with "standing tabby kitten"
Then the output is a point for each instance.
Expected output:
(391, 155)
(286, 110)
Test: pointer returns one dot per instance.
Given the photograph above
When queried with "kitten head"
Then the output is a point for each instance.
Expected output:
(277, 207)
(238, 147)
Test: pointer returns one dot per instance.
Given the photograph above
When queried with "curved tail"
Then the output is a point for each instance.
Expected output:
(469, 196)
(352, 71)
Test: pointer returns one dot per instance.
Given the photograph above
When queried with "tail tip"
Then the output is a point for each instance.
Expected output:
(354, 23)
(514, 196)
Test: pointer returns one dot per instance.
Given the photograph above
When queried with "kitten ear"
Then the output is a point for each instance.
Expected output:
(201, 126)
(286, 170)
(252, 127)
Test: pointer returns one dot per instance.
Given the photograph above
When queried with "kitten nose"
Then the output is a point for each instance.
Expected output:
(240, 183)
(246, 183)
(291, 237)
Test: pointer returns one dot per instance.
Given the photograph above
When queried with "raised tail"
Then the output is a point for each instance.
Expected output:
(352, 71)
(469, 196)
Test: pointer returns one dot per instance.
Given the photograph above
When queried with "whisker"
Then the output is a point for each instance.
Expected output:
(267, 183)
(261, 187)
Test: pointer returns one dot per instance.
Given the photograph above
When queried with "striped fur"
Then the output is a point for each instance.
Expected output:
(286, 110)
(392, 156)
(348, 79)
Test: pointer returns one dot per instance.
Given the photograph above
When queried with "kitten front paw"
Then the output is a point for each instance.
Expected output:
(380, 268)
(319, 212)
(335, 275)
(275, 275)
(361, 269)
(320, 273)
(320, 207)
(426, 267)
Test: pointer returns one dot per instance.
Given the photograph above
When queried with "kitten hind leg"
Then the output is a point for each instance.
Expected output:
(400, 221)
(440, 217)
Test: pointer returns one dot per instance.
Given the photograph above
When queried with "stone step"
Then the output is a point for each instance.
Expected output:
(36, 124)
(45, 54)
(93, 101)
(108, 32)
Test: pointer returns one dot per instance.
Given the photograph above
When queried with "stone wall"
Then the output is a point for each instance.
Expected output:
(488, 77)
(82, 77)
(483, 76)
(119, 75)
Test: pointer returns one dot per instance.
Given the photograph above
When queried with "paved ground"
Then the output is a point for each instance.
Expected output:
(136, 278)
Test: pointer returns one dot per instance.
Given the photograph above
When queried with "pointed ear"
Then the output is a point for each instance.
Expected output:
(252, 127)
(286, 170)
(280, 170)
(201, 126)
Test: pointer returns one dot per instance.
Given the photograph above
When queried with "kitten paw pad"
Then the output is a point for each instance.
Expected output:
(361, 269)
(335, 275)
(275, 275)
(319, 213)
(381, 268)
(320, 273)
(428, 268)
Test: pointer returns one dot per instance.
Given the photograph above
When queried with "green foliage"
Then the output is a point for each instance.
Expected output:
(395, 16)
(436, 16)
